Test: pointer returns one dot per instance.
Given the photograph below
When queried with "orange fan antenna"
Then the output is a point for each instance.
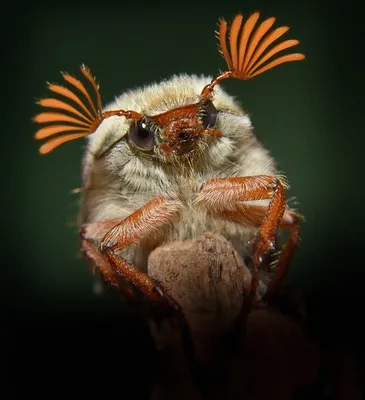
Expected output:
(78, 114)
(246, 53)
(76, 117)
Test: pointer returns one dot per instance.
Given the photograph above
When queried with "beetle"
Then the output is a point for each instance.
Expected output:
(174, 159)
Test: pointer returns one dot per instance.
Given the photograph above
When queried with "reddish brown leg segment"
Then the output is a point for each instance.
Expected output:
(92, 254)
(222, 194)
(284, 260)
(254, 216)
(116, 235)
(151, 290)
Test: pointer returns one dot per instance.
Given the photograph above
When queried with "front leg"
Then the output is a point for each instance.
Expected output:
(253, 215)
(114, 235)
(224, 193)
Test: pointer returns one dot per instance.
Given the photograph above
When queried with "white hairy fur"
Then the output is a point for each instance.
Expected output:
(117, 181)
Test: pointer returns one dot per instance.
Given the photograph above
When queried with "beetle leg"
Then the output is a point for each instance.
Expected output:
(222, 196)
(107, 272)
(118, 234)
(253, 215)
(284, 260)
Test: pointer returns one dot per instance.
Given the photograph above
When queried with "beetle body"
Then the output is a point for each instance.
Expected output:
(123, 179)
(172, 160)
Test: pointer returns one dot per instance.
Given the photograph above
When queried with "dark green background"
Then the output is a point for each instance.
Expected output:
(309, 114)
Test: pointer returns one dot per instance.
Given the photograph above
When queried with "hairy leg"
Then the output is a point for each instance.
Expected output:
(221, 197)
(114, 235)
(253, 215)
(107, 272)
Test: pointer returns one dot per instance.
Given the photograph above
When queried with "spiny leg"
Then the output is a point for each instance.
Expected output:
(107, 272)
(151, 289)
(116, 235)
(222, 194)
(254, 215)
(284, 261)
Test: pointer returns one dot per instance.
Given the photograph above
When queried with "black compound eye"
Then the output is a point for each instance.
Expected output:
(141, 136)
(210, 115)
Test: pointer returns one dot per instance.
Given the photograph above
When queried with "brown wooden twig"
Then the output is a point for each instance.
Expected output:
(266, 355)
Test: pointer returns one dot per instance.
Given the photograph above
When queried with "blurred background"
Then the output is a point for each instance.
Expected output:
(308, 114)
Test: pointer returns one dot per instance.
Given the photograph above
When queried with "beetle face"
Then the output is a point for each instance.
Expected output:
(179, 130)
